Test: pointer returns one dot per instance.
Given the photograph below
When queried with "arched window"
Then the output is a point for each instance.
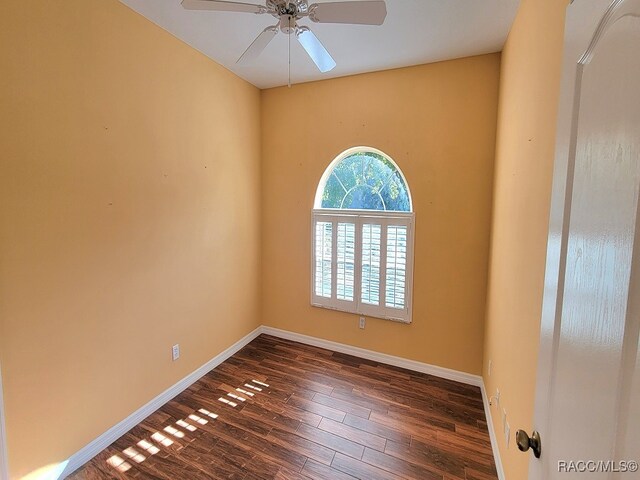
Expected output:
(362, 239)
(363, 179)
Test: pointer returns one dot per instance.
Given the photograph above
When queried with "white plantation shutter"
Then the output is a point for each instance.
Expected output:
(345, 268)
(396, 279)
(323, 249)
(334, 260)
(370, 268)
(362, 263)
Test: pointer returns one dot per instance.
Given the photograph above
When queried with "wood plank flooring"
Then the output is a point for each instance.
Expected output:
(285, 411)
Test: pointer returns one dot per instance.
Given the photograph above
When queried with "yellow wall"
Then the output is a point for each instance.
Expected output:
(529, 89)
(131, 174)
(438, 123)
(129, 216)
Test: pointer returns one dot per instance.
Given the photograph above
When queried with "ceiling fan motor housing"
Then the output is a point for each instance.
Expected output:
(287, 24)
(288, 11)
(294, 8)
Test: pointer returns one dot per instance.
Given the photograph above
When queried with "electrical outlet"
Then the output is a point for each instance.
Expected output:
(362, 321)
(497, 397)
(175, 352)
(490, 365)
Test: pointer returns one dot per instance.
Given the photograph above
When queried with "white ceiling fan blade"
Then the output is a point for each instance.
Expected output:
(315, 49)
(258, 45)
(222, 6)
(371, 12)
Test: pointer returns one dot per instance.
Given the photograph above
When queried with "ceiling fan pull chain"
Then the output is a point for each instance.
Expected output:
(289, 41)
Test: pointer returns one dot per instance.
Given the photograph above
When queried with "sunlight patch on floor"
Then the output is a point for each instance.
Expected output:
(121, 464)
(118, 463)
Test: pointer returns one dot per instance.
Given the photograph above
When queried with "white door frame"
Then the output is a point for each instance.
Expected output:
(583, 19)
(4, 458)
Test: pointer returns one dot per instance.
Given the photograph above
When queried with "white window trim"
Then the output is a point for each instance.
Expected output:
(358, 217)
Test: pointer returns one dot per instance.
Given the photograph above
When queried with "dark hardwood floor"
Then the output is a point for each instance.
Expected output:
(282, 410)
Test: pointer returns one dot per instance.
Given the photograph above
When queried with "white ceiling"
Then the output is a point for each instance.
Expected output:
(414, 32)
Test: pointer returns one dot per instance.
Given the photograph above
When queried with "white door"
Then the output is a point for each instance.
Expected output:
(588, 390)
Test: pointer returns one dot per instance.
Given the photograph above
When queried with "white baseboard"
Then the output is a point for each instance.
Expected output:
(416, 366)
(4, 458)
(111, 435)
(107, 438)
(492, 433)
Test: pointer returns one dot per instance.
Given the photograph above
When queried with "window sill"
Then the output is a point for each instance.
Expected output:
(381, 317)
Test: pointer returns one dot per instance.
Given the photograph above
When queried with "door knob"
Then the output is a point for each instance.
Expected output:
(525, 443)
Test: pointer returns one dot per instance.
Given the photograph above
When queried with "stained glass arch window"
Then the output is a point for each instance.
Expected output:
(363, 178)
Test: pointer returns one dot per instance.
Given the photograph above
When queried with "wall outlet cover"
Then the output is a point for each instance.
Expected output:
(362, 322)
(175, 352)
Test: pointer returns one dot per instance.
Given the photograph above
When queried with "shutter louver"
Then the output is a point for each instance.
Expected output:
(396, 274)
(345, 268)
(323, 247)
(370, 291)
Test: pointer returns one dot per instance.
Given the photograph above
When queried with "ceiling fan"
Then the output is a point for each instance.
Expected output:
(288, 12)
